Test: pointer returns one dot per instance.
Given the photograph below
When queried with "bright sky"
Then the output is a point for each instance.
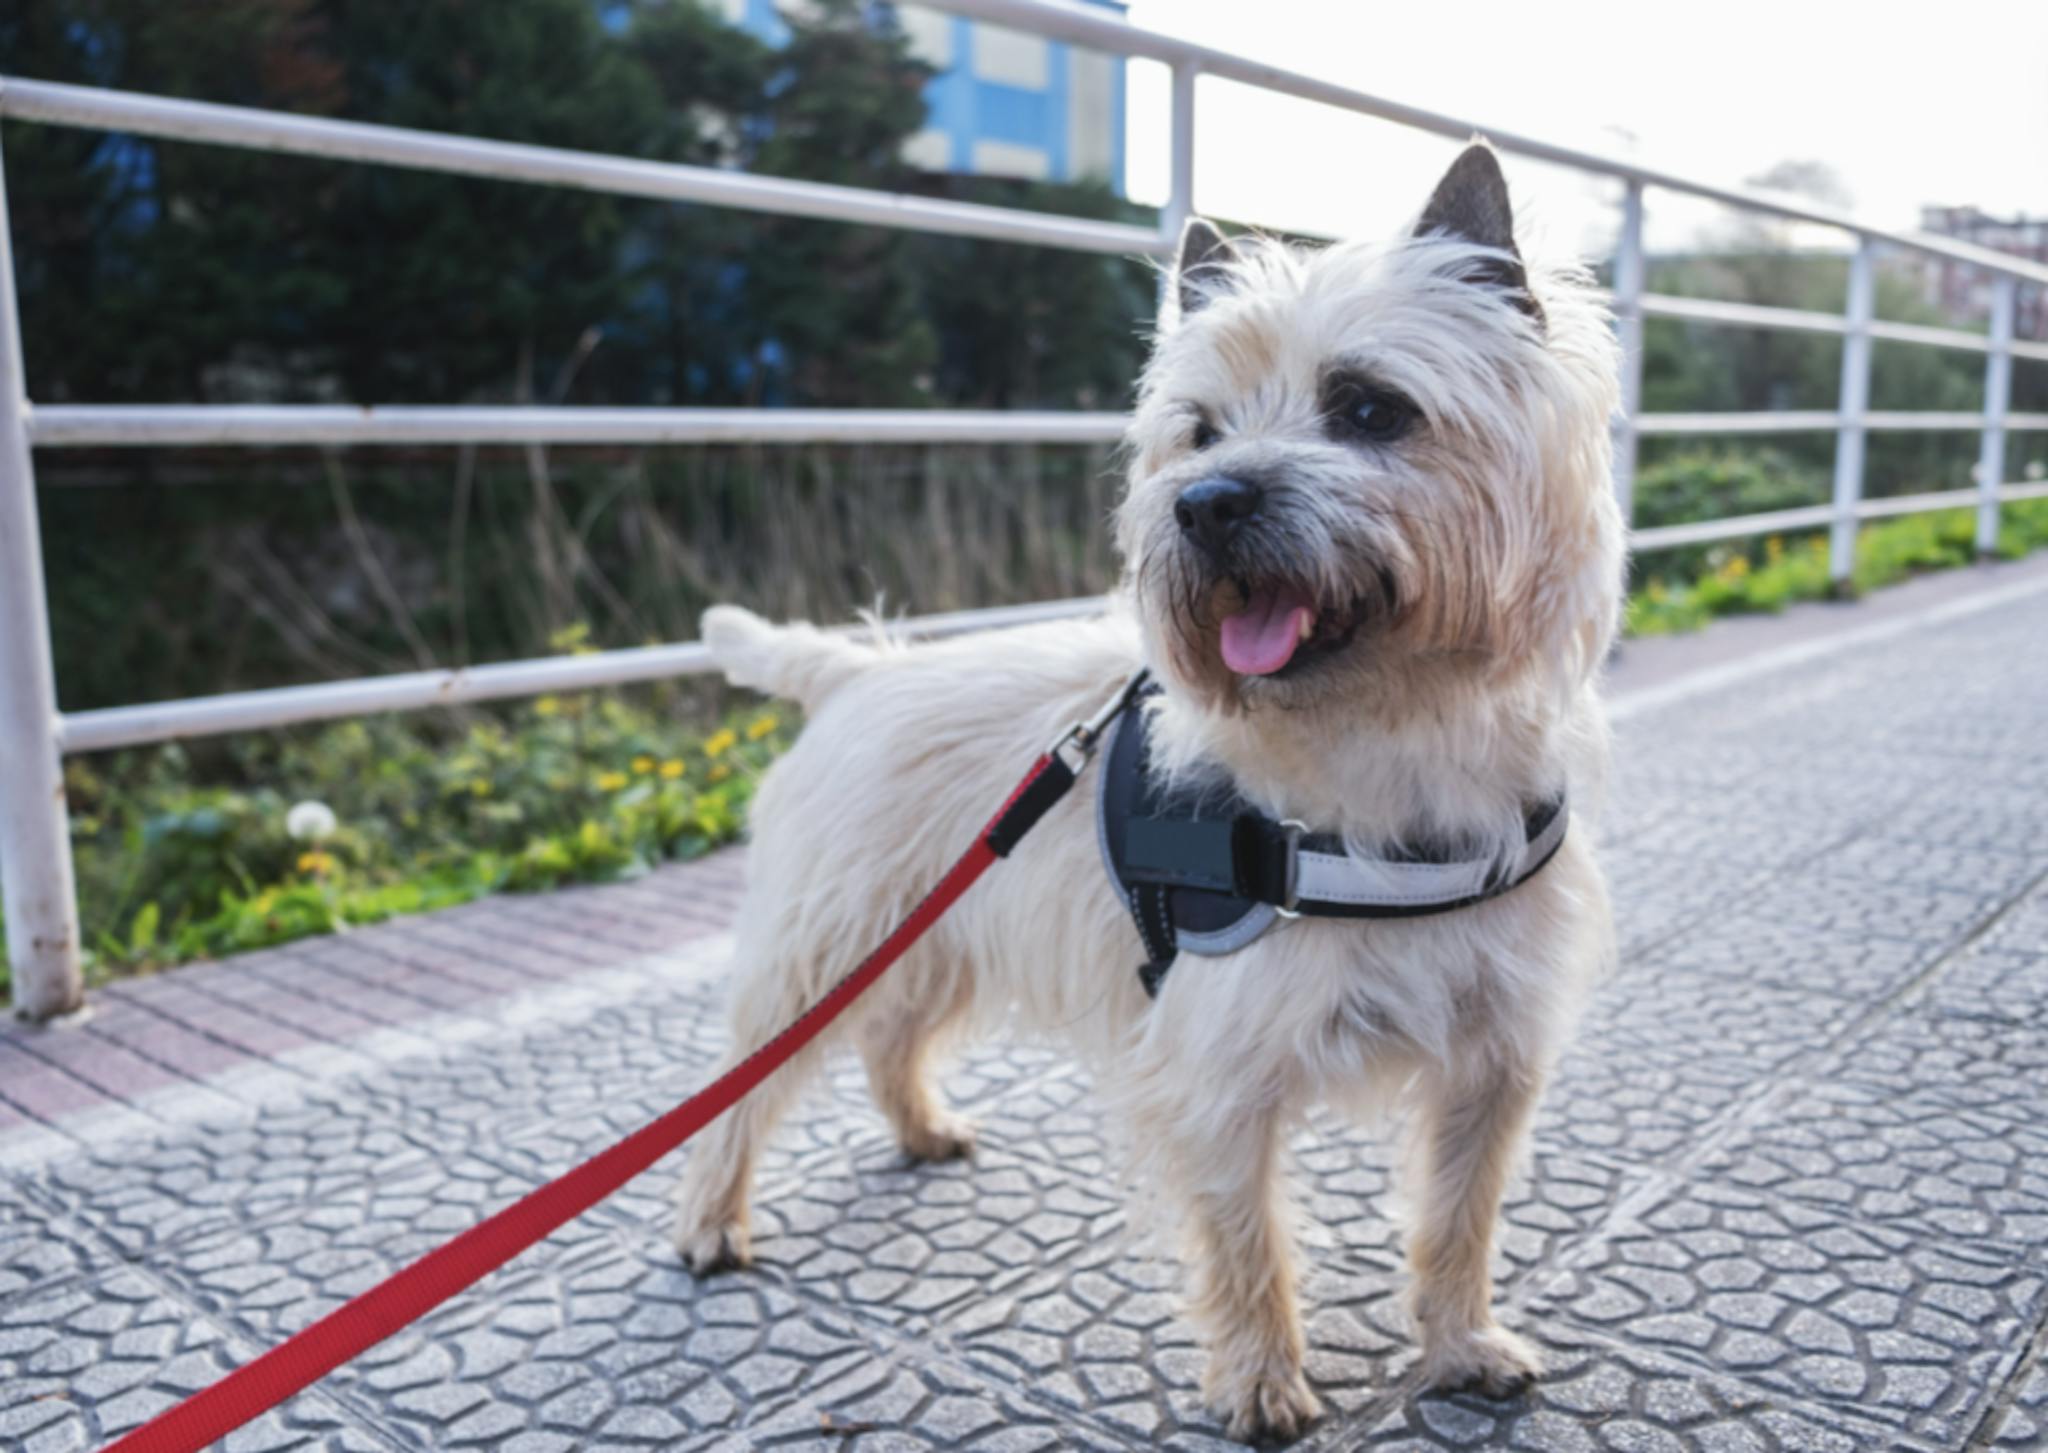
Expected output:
(1924, 103)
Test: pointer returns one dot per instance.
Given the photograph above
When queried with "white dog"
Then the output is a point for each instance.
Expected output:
(1373, 562)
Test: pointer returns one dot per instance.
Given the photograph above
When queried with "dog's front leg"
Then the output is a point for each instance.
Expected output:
(1469, 1128)
(1230, 1173)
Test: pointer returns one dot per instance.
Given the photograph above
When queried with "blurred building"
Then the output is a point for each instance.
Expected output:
(1964, 290)
(1004, 103)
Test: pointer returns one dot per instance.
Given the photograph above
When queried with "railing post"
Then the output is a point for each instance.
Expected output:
(1855, 403)
(1997, 399)
(36, 886)
(1628, 324)
(1180, 202)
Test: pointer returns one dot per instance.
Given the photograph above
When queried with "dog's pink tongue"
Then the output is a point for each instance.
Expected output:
(1261, 638)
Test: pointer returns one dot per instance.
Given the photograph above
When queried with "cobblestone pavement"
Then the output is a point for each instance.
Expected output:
(1789, 1192)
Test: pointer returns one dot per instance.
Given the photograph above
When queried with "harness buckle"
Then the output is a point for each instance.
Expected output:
(1292, 830)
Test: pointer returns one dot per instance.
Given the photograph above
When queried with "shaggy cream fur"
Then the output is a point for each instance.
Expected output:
(1467, 568)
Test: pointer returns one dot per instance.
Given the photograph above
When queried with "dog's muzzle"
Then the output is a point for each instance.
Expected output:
(1213, 512)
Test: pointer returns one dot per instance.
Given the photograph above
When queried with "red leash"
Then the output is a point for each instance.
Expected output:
(407, 1295)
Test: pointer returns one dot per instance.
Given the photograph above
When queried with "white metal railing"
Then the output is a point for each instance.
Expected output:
(35, 861)
(73, 425)
(123, 726)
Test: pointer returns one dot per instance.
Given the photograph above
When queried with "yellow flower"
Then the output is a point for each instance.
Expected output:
(548, 706)
(719, 773)
(720, 742)
(1736, 567)
(642, 765)
(316, 862)
(1774, 549)
(671, 769)
(611, 781)
(480, 786)
(760, 727)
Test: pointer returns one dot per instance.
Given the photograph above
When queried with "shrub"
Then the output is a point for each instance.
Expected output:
(1797, 569)
(179, 859)
(1712, 484)
(1717, 484)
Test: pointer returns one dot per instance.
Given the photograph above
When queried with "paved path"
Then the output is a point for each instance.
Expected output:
(1790, 1191)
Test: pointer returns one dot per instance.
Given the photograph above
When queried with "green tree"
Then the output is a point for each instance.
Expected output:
(202, 272)
(1707, 367)
(160, 271)
(1034, 327)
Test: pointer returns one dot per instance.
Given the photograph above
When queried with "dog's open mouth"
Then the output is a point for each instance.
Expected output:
(1281, 628)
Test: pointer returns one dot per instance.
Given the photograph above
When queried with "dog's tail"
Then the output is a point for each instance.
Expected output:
(797, 662)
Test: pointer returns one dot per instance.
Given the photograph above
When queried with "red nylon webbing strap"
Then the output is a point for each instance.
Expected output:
(407, 1295)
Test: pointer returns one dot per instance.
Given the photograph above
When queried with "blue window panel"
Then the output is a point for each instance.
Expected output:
(1009, 113)
(949, 99)
(1058, 81)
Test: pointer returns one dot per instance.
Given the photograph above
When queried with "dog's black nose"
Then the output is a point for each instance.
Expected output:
(1210, 512)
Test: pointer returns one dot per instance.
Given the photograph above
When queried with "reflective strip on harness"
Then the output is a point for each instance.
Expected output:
(1340, 880)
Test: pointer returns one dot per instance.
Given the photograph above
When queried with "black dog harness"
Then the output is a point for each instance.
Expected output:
(1203, 870)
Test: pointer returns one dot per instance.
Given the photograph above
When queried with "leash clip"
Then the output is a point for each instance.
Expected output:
(1083, 737)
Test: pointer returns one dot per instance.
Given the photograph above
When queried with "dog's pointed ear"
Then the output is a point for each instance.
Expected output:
(1200, 270)
(1471, 203)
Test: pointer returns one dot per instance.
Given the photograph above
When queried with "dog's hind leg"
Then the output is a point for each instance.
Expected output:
(898, 1036)
(711, 1199)
(1467, 1136)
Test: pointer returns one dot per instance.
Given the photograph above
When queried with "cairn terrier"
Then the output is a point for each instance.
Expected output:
(1374, 565)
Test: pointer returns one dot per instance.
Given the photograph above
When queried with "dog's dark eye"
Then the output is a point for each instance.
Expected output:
(1364, 412)
(1205, 433)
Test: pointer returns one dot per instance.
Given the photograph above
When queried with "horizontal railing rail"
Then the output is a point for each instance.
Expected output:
(81, 426)
(176, 119)
(1795, 421)
(1761, 315)
(73, 426)
(35, 865)
(1817, 517)
(135, 726)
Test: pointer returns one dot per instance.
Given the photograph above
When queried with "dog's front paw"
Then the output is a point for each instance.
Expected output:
(1491, 1361)
(1272, 1405)
(714, 1246)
